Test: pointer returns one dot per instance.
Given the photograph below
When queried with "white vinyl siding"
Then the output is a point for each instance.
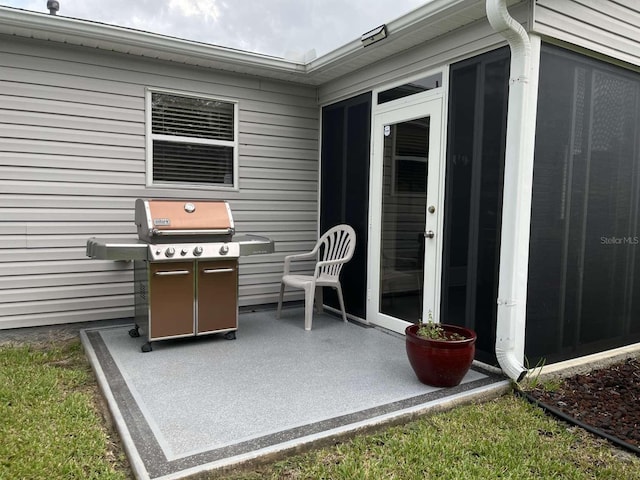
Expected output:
(72, 163)
(607, 27)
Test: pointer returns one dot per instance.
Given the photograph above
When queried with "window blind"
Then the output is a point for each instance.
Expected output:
(192, 117)
(191, 140)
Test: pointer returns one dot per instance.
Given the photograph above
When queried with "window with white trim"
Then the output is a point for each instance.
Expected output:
(193, 141)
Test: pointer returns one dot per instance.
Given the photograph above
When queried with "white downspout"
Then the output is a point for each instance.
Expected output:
(516, 209)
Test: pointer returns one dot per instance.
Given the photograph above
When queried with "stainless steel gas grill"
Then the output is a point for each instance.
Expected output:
(185, 267)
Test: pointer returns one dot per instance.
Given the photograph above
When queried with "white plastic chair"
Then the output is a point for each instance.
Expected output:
(334, 249)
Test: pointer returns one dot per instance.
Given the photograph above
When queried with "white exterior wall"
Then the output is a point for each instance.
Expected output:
(72, 163)
(608, 27)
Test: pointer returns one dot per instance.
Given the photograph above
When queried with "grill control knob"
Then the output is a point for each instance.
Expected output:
(184, 251)
(170, 252)
(197, 251)
(224, 249)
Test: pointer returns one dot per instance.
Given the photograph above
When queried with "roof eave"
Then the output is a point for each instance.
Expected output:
(83, 33)
(395, 28)
(411, 29)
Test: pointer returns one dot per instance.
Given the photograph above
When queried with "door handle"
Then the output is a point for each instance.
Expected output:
(217, 270)
(429, 234)
(172, 272)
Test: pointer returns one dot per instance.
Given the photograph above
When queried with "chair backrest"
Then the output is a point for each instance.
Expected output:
(338, 243)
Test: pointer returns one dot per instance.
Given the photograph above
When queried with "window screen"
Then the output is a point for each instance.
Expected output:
(473, 206)
(410, 159)
(411, 88)
(194, 140)
(584, 264)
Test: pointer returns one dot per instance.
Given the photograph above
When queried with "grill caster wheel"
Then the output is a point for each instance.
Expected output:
(230, 335)
(134, 332)
(146, 347)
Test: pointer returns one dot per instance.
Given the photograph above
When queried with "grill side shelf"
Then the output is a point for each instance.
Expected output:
(254, 245)
(116, 249)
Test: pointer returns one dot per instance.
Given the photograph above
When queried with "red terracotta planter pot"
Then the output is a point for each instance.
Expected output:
(440, 363)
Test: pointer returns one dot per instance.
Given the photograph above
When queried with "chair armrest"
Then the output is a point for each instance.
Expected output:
(324, 263)
(299, 256)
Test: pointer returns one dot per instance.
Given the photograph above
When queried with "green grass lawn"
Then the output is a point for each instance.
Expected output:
(506, 438)
(51, 427)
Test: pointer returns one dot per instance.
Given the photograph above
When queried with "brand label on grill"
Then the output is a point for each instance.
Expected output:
(161, 222)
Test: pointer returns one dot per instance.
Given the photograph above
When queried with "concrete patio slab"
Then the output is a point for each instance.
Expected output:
(205, 403)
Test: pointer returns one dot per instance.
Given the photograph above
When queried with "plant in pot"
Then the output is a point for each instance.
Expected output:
(440, 354)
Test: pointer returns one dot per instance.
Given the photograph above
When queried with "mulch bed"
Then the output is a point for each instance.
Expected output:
(607, 399)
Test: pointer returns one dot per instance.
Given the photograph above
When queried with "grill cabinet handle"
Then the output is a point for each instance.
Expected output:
(172, 272)
(217, 270)
(159, 233)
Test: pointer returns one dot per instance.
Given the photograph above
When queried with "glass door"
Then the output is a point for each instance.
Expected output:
(406, 213)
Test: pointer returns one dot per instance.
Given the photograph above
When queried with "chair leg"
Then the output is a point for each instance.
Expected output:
(319, 300)
(308, 306)
(280, 300)
(341, 300)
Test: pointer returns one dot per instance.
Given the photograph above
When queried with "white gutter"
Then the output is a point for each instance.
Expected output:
(516, 210)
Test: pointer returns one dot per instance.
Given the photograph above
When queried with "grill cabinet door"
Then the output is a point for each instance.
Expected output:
(217, 295)
(171, 304)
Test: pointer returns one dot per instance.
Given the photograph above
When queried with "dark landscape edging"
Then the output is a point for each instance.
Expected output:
(572, 420)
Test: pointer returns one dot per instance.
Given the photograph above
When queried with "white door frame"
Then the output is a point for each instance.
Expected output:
(430, 105)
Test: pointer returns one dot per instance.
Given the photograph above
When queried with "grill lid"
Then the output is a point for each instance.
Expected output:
(158, 219)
